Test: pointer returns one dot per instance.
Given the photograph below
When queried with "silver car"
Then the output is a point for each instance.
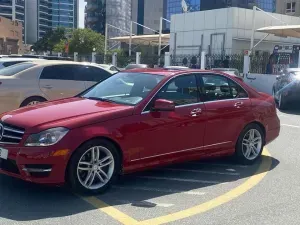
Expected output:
(33, 82)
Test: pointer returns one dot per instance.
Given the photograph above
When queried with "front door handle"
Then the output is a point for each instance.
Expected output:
(47, 87)
(196, 112)
(238, 104)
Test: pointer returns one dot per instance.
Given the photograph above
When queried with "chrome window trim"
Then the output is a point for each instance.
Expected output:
(185, 150)
(223, 100)
(195, 73)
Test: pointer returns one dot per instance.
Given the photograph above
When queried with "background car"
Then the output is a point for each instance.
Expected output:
(38, 81)
(5, 62)
(155, 118)
(111, 68)
(176, 67)
(286, 89)
(136, 66)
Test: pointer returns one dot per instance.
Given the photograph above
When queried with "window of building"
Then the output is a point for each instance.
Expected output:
(290, 7)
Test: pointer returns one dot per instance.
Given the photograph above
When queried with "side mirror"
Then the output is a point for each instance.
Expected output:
(277, 77)
(163, 105)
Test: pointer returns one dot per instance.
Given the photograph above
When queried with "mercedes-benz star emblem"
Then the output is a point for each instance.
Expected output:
(1, 131)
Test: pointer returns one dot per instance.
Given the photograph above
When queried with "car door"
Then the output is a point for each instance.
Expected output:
(227, 108)
(58, 81)
(91, 75)
(177, 133)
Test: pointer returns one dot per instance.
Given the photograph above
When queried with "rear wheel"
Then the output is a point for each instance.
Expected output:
(93, 167)
(32, 101)
(250, 144)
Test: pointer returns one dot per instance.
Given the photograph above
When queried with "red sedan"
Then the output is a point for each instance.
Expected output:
(133, 121)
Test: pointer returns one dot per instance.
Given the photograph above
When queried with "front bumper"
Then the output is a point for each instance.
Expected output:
(34, 164)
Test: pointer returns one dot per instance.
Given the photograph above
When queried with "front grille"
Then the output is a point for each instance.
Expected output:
(9, 165)
(10, 134)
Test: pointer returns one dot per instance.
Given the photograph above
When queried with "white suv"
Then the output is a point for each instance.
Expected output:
(33, 82)
(6, 62)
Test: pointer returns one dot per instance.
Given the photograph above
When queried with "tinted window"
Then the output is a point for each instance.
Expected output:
(181, 90)
(12, 70)
(59, 72)
(7, 64)
(90, 73)
(220, 88)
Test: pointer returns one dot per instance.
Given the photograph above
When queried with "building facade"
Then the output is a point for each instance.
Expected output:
(288, 7)
(147, 13)
(114, 12)
(175, 7)
(10, 36)
(46, 15)
(14, 10)
(266, 5)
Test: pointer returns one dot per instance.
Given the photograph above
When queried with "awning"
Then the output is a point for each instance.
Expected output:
(282, 31)
(144, 39)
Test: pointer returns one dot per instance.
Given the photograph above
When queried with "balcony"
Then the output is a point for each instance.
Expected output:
(91, 19)
(91, 7)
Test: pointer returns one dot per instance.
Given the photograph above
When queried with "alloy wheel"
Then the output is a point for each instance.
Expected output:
(95, 168)
(252, 143)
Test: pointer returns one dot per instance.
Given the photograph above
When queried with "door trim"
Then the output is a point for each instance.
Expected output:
(185, 150)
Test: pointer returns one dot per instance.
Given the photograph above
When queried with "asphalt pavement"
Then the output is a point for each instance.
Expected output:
(201, 192)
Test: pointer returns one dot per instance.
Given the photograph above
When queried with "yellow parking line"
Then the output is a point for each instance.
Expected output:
(111, 211)
(227, 197)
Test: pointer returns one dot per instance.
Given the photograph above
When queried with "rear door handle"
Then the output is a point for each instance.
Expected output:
(196, 112)
(238, 104)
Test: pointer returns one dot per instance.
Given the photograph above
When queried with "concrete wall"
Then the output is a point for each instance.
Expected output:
(235, 23)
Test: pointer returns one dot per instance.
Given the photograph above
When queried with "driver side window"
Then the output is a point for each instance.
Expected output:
(181, 90)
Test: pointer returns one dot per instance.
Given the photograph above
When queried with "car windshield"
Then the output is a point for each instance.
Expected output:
(12, 70)
(124, 88)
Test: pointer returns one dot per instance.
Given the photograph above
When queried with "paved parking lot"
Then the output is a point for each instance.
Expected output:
(201, 192)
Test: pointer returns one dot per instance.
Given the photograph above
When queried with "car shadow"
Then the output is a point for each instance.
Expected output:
(292, 109)
(23, 201)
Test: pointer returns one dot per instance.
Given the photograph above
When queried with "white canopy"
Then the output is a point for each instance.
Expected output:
(283, 31)
(144, 39)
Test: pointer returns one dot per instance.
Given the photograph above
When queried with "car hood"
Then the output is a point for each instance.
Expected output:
(69, 113)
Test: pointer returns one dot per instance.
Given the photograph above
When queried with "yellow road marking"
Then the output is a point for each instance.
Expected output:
(227, 197)
(111, 211)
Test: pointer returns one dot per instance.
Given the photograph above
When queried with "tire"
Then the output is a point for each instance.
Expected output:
(242, 148)
(282, 102)
(30, 100)
(78, 179)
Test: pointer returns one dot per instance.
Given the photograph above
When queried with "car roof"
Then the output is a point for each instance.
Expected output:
(164, 72)
(18, 59)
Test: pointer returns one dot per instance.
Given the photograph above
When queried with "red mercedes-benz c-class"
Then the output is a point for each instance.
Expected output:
(136, 120)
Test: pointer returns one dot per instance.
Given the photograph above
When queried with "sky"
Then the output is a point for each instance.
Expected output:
(81, 13)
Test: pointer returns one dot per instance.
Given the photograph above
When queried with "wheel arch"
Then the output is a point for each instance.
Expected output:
(113, 142)
(33, 96)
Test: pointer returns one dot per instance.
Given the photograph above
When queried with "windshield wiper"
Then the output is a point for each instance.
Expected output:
(101, 99)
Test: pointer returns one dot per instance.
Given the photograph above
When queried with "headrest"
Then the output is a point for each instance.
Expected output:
(210, 87)
(224, 88)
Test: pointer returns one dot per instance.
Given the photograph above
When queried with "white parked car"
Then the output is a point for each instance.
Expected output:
(5, 62)
(38, 81)
(111, 68)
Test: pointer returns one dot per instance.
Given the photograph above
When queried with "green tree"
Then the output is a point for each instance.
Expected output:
(60, 47)
(50, 39)
(84, 41)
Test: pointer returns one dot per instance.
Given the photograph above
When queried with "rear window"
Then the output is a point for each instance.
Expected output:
(12, 70)
(7, 64)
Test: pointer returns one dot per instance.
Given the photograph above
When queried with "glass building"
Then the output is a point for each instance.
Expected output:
(267, 5)
(56, 13)
(114, 12)
(14, 10)
(175, 7)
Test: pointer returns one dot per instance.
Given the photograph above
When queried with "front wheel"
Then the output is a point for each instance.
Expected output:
(250, 144)
(93, 167)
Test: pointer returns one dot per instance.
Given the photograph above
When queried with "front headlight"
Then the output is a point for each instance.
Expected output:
(47, 137)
